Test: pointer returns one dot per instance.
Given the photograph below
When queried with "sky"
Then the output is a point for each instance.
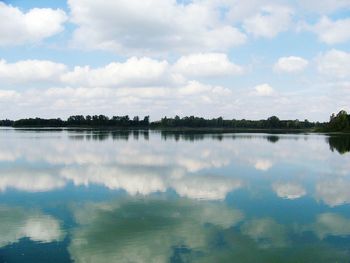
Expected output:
(231, 58)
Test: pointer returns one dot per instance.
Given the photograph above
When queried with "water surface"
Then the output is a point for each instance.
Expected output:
(147, 196)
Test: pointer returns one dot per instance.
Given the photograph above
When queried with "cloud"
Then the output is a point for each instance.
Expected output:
(334, 63)
(324, 6)
(153, 88)
(270, 21)
(18, 28)
(289, 190)
(17, 223)
(149, 83)
(150, 27)
(329, 31)
(290, 64)
(8, 95)
(134, 71)
(195, 88)
(263, 90)
(146, 86)
(25, 71)
(206, 65)
(189, 97)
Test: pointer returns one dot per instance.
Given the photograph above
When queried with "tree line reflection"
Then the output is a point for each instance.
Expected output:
(338, 142)
(101, 135)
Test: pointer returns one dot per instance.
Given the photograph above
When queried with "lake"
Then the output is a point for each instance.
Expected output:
(152, 196)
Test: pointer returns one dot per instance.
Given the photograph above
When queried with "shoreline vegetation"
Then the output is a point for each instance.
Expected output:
(338, 123)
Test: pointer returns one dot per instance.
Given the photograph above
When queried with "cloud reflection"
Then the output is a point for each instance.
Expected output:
(266, 232)
(29, 180)
(142, 162)
(334, 192)
(17, 223)
(263, 164)
(289, 190)
(328, 224)
(147, 230)
(146, 181)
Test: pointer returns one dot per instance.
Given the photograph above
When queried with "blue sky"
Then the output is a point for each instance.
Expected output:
(230, 58)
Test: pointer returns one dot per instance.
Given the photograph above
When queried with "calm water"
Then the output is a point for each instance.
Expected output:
(94, 196)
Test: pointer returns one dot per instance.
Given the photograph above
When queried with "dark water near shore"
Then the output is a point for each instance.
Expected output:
(139, 196)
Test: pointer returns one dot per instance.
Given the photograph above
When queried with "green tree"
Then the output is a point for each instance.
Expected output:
(339, 122)
(273, 122)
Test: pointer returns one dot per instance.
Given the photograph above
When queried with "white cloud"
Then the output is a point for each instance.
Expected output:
(135, 71)
(324, 6)
(33, 26)
(52, 89)
(25, 71)
(263, 90)
(237, 10)
(334, 63)
(141, 72)
(151, 27)
(270, 21)
(192, 35)
(8, 95)
(290, 64)
(195, 87)
(331, 32)
(189, 98)
(206, 65)
(289, 190)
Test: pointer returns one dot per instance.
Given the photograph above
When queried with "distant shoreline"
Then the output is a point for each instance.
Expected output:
(337, 123)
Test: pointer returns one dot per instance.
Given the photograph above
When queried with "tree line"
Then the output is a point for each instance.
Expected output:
(337, 122)
(270, 123)
(81, 121)
(176, 122)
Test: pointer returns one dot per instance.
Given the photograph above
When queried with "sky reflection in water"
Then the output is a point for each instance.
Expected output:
(139, 196)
